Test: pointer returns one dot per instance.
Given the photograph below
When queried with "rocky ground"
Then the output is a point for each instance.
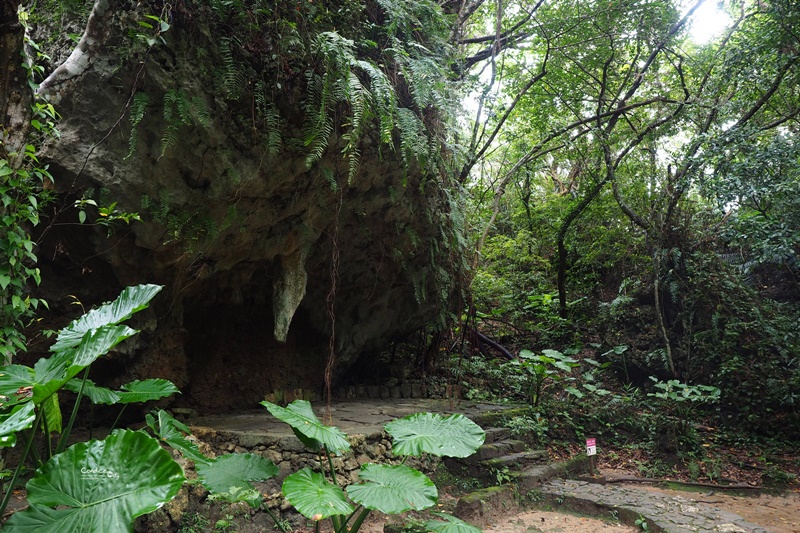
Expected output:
(778, 513)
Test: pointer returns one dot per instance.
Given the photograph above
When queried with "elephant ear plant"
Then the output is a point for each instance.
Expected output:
(227, 477)
(103, 485)
(99, 485)
(390, 489)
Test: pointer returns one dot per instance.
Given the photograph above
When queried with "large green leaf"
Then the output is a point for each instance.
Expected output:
(52, 414)
(98, 342)
(99, 486)
(52, 373)
(130, 301)
(20, 418)
(96, 394)
(229, 476)
(393, 489)
(301, 417)
(172, 432)
(146, 390)
(452, 525)
(77, 347)
(313, 496)
(452, 436)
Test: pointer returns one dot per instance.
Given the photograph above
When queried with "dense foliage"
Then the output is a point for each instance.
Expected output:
(645, 192)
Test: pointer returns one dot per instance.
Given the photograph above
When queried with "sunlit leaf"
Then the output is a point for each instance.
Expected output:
(393, 489)
(313, 496)
(452, 436)
(52, 413)
(146, 390)
(130, 301)
(301, 417)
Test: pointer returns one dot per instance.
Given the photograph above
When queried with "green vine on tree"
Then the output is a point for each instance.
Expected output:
(24, 190)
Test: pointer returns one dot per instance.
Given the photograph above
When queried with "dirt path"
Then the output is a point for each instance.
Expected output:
(530, 522)
(547, 522)
(780, 514)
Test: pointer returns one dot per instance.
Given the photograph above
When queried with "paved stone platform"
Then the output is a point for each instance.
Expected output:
(354, 417)
(672, 514)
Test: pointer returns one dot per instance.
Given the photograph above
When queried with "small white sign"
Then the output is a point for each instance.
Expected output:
(591, 446)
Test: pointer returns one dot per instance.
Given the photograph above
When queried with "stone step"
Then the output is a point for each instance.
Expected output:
(496, 434)
(532, 477)
(496, 449)
(515, 460)
(485, 506)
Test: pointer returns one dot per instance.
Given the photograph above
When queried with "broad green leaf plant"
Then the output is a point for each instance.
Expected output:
(540, 369)
(227, 477)
(103, 485)
(390, 489)
(677, 406)
(99, 485)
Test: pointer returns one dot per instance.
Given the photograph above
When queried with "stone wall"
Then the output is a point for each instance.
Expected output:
(412, 388)
(290, 455)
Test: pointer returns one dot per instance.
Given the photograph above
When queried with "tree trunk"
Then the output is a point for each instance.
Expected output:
(15, 96)
(562, 249)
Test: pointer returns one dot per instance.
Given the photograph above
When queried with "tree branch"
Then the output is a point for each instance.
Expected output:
(465, 170)
(776, 83)
(508, 32)
(80, 59)
(15, 96)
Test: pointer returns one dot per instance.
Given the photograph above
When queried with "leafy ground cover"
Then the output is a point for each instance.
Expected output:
(661, 429)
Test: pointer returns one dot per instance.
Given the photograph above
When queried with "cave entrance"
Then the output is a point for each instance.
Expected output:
(234, 361)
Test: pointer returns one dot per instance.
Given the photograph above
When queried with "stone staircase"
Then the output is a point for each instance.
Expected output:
(516, 479)
(510, 472)
(500, 456)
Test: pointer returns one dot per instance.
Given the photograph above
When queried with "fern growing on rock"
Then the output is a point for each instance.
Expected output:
(138, 107)
(179, 111)
(270, 116)
(231, 79)
(373, 98)
(384, 77)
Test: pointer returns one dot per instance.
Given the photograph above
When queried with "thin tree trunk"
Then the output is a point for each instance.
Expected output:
(659, 312)
(562, 249)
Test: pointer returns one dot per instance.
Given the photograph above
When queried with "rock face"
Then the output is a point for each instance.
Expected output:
(247, 242)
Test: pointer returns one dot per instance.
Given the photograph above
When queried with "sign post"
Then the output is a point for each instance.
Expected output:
(591, 451)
